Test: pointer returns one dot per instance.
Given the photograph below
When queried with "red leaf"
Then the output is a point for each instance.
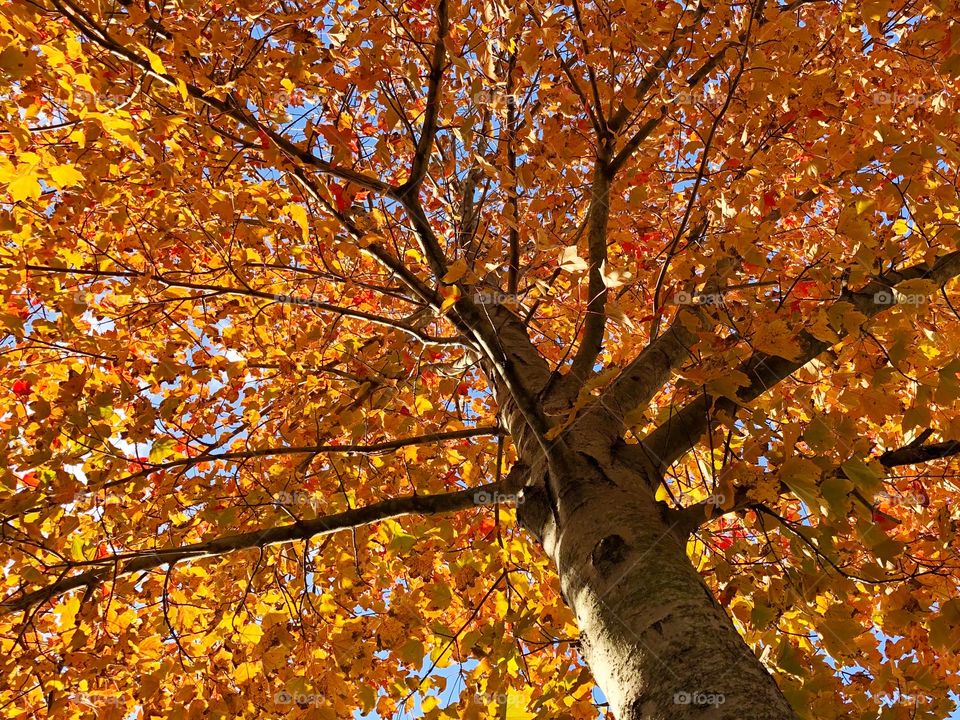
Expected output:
(21, 388)
(884, 521)
(723, 542)
(137, 466)
(804, 287)
(339, 198)
(486, 525)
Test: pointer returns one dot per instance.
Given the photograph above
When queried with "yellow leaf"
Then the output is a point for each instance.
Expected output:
(801, 476)
(912, 292)
(412, 651)
(901, 227)
(245, 672)
(299, 215)
(24, 185)
(64, 175)
(875, 9)
(862, 475)
(16, 63)
(156, 64)
(517, 705)
(84, 82)
(456, 271)
(728, 384)
(76, 548)
(450, 299)
(251, 633)
(161, 449)
(68, 611)
(775, 338)
(56, 58)
(79, 137)
(121, 129)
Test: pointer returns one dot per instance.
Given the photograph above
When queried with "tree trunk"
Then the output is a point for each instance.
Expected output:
(656, 640)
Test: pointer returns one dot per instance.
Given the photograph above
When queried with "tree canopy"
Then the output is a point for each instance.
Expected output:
(277, 275)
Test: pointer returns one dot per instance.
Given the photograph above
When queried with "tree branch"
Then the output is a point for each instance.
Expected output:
(691, 517)
(649, 371)
(917, 454)
(596, 320)
(418, 169)
(250, 292)
(683, 430)
(235, 110)
(371, 449)
(639, 381)
(128, 563)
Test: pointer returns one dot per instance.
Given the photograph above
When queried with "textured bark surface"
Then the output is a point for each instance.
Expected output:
(657, 642)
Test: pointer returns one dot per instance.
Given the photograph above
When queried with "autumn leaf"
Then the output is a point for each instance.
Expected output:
(65, 175)
(571, 262)
(299, 215)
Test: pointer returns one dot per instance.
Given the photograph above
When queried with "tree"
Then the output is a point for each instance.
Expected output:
(554, 343)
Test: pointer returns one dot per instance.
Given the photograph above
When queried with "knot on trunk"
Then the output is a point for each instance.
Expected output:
(608, 553)
(533, 511)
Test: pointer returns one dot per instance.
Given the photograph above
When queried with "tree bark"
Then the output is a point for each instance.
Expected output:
(658, 643)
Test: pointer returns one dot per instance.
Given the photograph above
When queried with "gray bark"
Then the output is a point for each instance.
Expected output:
(658, 643)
